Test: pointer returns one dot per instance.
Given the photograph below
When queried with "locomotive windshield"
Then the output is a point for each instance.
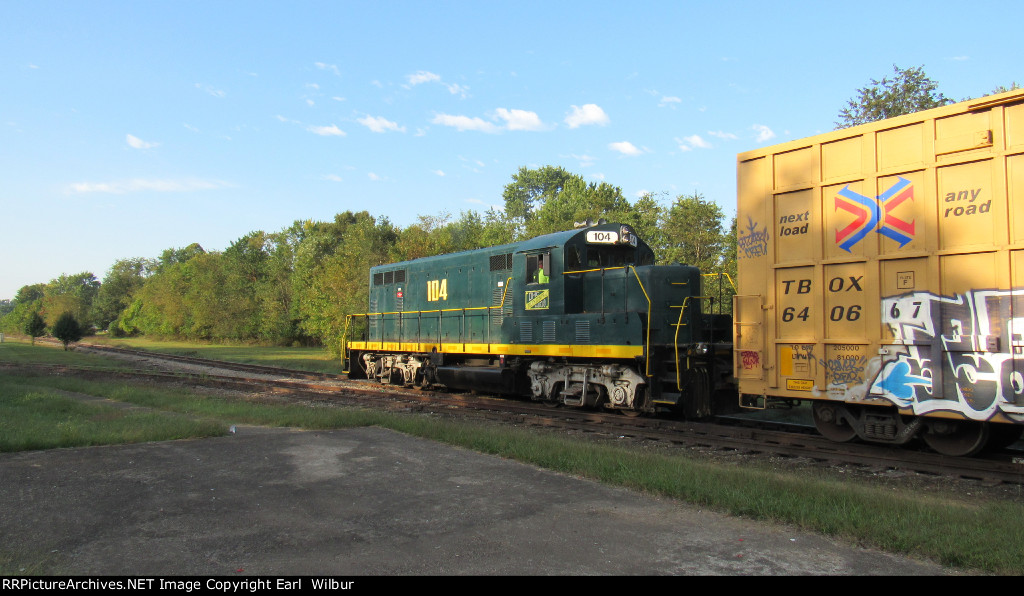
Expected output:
(617, 256)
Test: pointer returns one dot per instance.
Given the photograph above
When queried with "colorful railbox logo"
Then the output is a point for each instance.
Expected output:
(875, 214)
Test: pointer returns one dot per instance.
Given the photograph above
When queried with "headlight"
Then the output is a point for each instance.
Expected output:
(700, 349)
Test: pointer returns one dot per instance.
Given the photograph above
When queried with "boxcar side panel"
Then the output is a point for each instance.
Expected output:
(885, 264)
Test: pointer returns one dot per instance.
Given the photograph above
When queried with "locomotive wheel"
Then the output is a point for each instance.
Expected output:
(639, 401)
(957, 438)
(554, 400)
(826, 419)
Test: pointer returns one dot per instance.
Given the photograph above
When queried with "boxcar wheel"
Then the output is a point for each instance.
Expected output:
(826, 419)
(957, 438)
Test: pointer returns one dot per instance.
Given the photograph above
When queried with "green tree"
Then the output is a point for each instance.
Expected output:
(577, 202)
(529, 189)
(907, 91)
(35, 327)
(551, 199)
(1003, 89)
(646, 217)
(124, 278)
(694, 235)
(178, 255)
(27, 301)
(70, 293)
(332, 271)
(498, 228)
(67, 329)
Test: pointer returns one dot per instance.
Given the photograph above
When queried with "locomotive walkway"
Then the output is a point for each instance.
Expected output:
(370, 501)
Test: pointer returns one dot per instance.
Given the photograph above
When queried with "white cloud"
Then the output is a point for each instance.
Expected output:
(326, 131)
(333, 177)
(425, 76)
(373, 176)
(421, 77)
(721, 134)
(439, 172)
(625, 147)
(473, 165)
(588, 114)
(379, 124)
(520, 119)
(669, 100)
(331, 67)
(585, 160)
(140, 185)
(763, 133)
(465, 123)
(476, 201)
(211, 90)
(692, 142)
(137, 143)
(457, 89)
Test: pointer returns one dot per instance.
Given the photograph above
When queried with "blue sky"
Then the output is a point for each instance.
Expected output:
(130, 127)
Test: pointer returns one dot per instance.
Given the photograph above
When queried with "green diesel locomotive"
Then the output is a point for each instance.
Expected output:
(581, 318)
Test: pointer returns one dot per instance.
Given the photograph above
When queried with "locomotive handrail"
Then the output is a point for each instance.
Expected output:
(593, 270)
(647, 340)
(401, 314)
(721, 291)
(719, 274)
(675, 340)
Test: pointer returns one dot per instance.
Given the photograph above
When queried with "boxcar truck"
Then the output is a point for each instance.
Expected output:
(881, 275)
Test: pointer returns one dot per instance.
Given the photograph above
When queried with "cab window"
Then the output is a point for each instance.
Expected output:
(538, 268)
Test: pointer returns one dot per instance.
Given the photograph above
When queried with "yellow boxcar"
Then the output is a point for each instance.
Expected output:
(881, 274)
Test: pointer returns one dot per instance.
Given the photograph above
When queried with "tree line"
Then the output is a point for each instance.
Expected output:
(295, 286)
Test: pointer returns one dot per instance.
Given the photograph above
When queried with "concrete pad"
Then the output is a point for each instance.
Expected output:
(370, 501)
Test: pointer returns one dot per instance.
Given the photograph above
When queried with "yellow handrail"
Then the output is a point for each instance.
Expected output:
(344, 335)
(675, 339)
(647, 340)
(727, 276)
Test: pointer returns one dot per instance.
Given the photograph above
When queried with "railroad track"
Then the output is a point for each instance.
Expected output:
(791, 441)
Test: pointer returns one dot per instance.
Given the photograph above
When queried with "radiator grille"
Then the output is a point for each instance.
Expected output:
(549, 332)
(583, 332)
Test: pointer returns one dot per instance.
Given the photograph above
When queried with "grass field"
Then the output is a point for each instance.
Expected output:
(310, 359)
(953, 529)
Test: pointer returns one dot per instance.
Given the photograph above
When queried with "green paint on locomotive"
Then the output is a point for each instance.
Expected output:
(587, 295)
